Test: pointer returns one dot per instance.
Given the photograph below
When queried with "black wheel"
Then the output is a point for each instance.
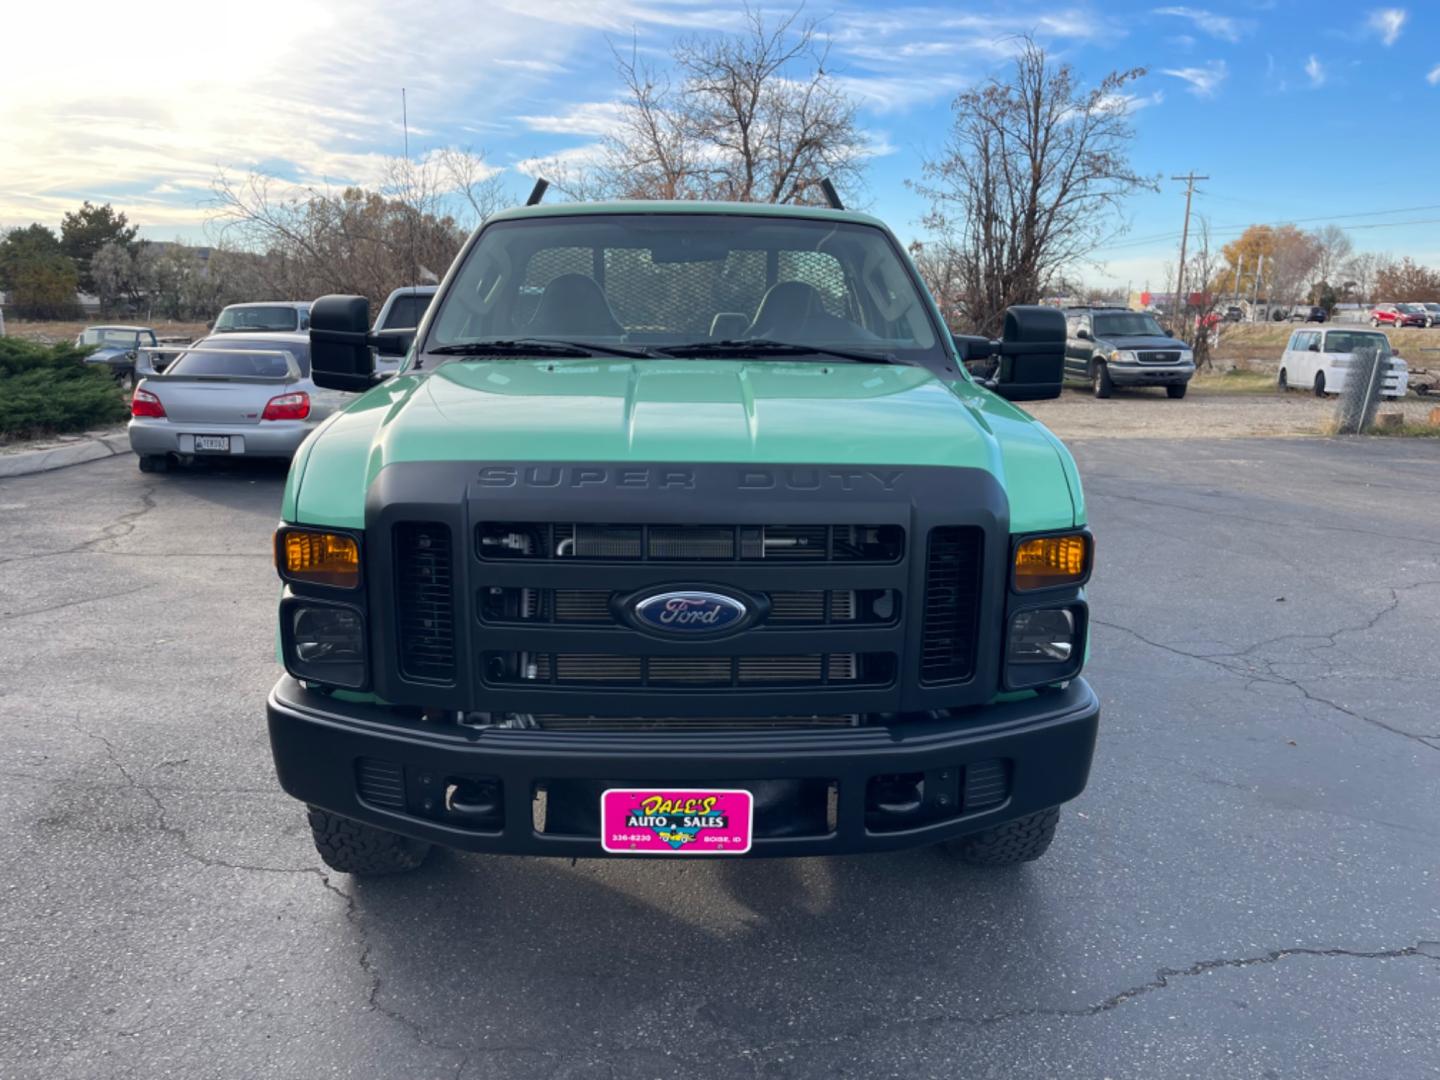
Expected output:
(1283, 382)
(154, 462)
(1319, 384)
(1177, 391)
(1375, 323)
(353, 848)
(1022, 840)
(1100, 379)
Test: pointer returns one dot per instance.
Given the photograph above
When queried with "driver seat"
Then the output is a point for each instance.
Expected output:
(574, 304)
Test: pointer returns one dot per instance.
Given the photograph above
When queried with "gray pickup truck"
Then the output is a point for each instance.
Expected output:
(1110, 347)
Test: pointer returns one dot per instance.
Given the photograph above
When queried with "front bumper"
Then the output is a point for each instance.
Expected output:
(1123, 374)
(272, 438)
(1039, 748)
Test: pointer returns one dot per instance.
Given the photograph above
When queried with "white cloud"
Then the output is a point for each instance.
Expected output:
(584, 118)
(1204, 81)
(1225, 27)
(1387, 22)
(1315, 71)
(1434, 77)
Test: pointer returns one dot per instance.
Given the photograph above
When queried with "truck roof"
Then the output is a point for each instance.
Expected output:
(686, 206)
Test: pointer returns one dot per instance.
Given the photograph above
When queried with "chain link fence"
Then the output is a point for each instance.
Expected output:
(1380, 394)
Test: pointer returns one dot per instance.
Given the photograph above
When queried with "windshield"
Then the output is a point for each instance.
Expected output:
(1127, 324)
(99, 335)
(406, 312)
(1349, 341)
(1410, 309)
(662, 280)
(277, 318)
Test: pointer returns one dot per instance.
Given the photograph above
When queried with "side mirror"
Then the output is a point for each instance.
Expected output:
(1083, 334)
(1031, 354)
(340, 356)
(393, 342)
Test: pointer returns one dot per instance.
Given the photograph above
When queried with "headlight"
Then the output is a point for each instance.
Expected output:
(1123, 356)
(1045, 562)
(325, 644)
(1041, 637)
(318, 558)
(1186, 356)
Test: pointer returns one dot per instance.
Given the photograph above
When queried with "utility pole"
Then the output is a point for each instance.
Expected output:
(1189, 179)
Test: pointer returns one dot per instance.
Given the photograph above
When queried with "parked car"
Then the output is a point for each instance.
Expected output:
(1110, 347)
(403, 309)
(1397, 315)
(1308, 313)
(228, 396)
(1318, 360)
(1432, 312)
(1234, 314)
(116, 347)
(265, 316)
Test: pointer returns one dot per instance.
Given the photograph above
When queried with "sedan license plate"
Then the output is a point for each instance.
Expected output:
(212, 444)
(676, 821)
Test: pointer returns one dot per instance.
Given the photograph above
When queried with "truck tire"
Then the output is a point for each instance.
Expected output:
(1319, 386)
(1022, 840)
(1178, 391)
(363, 850)
(1282, 383)
(1100, 379)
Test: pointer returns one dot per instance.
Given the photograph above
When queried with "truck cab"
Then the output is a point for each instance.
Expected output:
(682, 530)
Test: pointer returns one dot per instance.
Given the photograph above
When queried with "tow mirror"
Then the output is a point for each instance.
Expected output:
(340, 356)
(1028, 362)
(1083, 334)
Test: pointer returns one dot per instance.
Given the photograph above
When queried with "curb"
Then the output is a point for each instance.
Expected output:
(92, 448)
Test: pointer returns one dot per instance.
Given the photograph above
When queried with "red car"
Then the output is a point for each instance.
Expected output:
(1398, 315)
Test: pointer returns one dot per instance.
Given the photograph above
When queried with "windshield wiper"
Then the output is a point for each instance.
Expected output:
(535, 347)
(769, 347)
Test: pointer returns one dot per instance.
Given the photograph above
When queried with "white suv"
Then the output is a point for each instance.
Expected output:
(1318, 360)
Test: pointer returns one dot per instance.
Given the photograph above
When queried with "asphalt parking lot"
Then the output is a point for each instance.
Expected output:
(1250, 887)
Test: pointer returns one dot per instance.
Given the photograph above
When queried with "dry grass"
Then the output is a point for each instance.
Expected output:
(54, 333)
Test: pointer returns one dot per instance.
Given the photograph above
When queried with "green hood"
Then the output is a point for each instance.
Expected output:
(680, 411)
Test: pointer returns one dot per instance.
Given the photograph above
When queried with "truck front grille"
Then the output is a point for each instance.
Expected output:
(611, 670)
(425, 602)
(952, 604)
(594, 607)
(691, 723)
(1170, 357)
(536, 541)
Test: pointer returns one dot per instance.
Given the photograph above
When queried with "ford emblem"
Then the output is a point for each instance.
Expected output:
(688, 612)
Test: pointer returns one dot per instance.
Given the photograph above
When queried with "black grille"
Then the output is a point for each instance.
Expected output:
(424, 579)
(380, 783)
(952, 604)
(593, 607)
(1158, 357)
(691, 723)
(534, 541)
(680, 672)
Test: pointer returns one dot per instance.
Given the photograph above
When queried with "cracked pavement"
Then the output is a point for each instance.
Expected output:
(1250, 887)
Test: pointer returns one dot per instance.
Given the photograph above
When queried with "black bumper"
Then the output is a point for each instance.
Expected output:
(1037, 751)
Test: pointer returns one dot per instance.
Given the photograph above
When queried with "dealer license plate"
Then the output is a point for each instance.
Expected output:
(676, 821)
(213, 444)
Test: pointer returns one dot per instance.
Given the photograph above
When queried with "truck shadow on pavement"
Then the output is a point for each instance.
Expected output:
(693, 960)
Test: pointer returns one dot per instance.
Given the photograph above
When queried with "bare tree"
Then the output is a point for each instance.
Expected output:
(1201, 324)
(1034, 168)
(1359, 275)
(939, 265)
(1332, 249)
(317, 240)
(752, 116)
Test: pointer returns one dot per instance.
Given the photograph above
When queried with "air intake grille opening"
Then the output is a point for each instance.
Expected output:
(533, 541)
(425, 602)
(684, 672)
(952, 604)
(593, 607)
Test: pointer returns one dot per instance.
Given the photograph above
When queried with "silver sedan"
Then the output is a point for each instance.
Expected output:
(229, 396)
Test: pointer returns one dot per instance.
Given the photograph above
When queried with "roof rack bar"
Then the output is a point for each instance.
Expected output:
(538, 191)
(831, 195)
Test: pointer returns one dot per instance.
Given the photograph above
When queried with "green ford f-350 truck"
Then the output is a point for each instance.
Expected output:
(682, 530)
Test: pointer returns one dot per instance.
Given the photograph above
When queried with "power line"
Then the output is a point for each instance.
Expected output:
(1159, 238)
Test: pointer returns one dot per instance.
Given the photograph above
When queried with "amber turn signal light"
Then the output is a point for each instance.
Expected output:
(321, 558)
(1044, 562)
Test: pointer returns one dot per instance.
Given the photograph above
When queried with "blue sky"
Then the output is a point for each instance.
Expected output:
(1297, 111)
